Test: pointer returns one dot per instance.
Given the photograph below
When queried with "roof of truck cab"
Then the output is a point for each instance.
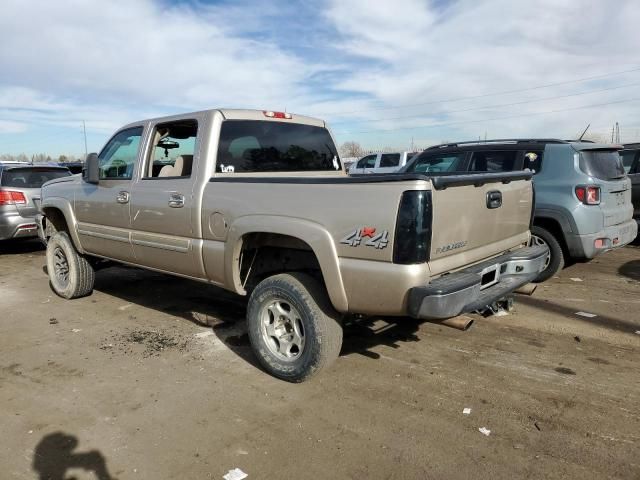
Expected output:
(233, 114)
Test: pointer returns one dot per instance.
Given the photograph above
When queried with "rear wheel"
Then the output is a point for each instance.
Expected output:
(293, 328)
(70, 274)
(555, 260)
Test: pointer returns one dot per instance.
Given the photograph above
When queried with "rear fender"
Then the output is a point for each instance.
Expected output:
(311, 233)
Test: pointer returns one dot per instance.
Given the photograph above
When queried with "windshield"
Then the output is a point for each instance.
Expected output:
(602, 164)
(31, 177)
(262, 146)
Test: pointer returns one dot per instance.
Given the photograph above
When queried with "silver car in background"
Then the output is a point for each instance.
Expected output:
(20, 195)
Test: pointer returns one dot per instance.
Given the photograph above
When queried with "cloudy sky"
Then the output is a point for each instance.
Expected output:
(383, 73)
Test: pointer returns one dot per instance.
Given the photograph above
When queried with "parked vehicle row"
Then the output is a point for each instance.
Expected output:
(583, 195)
(258, 203)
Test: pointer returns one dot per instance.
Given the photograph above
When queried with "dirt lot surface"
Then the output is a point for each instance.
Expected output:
(151, 377)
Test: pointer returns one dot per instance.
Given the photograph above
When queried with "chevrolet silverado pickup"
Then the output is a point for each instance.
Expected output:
(258, 203)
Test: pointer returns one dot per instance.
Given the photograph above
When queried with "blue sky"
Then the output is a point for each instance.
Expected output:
(382, 73)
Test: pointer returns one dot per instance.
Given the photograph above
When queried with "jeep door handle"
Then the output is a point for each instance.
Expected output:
(122, 197)
(494, 199)
(176, 200)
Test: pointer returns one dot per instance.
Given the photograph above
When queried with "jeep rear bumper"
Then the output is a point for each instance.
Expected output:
(478, 286)
(615, 236)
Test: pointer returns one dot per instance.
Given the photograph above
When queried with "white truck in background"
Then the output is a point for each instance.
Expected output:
(381, 162)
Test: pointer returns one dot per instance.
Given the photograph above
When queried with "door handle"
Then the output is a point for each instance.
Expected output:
(176, 200)
(122, 197)
(494, 199)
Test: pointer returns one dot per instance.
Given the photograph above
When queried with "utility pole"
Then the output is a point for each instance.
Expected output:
(84, 128)
(617, 133)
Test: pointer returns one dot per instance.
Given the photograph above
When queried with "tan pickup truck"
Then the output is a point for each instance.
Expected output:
(258, 203)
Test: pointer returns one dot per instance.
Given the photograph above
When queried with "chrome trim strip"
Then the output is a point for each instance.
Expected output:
(105, 236)
(163, 246)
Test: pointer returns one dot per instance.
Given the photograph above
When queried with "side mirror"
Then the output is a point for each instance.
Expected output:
(91, 172)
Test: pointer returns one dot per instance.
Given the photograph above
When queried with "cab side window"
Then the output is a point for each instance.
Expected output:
(172, 150)
(493, 161)
(367, 162)
(117, 159)
(390, 160)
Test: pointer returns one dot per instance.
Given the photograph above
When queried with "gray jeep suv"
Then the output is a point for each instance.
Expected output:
(583, 195)
(19, 193)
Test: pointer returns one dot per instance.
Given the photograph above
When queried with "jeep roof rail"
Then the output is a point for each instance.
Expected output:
(501, 140)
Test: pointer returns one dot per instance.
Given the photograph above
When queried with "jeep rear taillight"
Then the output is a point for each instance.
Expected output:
(589, 195)
(412, 241)
(10, 197)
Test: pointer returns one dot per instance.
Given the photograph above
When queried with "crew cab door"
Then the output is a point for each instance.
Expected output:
(102, 209)
(164, 215)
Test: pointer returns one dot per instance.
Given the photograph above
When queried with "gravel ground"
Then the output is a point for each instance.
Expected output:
(151, 377)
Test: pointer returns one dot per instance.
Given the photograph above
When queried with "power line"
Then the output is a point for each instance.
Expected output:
(505, 92)
(491, 119)
(486, 107)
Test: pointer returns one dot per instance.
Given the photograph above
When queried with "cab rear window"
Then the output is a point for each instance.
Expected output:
(260, 146)
(602, 164)
(31, 177)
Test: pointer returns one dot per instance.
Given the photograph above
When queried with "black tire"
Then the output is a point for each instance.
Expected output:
(311, 311)
(540, 235)
(79, 277)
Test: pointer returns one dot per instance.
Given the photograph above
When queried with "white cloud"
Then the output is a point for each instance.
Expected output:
(421, 54)
(346, 60)
(12, 127)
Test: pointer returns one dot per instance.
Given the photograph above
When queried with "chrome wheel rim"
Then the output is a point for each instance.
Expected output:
(536, 240)
(282, 330)
(60, 266)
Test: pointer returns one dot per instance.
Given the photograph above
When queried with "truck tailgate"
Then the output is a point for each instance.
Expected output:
(478, 216)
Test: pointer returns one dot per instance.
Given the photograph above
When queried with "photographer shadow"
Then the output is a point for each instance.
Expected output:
(54, 456)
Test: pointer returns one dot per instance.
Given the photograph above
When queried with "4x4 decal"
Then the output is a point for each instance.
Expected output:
(376, 240)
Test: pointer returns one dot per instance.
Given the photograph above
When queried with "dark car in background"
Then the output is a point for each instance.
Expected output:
(631, 161)
(19, 196)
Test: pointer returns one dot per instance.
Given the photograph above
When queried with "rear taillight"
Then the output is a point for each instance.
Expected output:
(412, 241)
(277, 114)
(10, 197)
(589, 195)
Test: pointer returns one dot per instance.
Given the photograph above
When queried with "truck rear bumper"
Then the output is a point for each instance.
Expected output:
(593, 244)
(477, 286)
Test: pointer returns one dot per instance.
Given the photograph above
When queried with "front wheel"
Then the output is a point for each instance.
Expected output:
(293, 328)
(555, 260)
(70, 274)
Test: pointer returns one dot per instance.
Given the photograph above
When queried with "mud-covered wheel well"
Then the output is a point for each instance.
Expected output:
(54, 221)
(266, 254)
